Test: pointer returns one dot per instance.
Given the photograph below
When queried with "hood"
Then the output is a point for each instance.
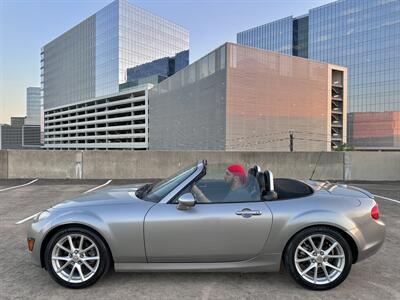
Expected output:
(339, 189)
(110, 196)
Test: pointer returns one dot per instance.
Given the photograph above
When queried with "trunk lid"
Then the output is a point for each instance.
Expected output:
(339, 189)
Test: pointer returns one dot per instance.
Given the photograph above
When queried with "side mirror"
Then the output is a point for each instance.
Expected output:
(186, 201)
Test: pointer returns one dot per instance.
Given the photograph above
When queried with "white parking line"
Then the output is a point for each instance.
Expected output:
(17, 186)
(97, 187)
(389, 199)
(27, 219)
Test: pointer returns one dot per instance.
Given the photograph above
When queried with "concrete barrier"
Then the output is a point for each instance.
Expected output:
(44, 164)
(3, 164)
(372, 166)
(160, 164)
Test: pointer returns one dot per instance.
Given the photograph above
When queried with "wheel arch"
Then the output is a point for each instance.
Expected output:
(60, 227)
(349, 239)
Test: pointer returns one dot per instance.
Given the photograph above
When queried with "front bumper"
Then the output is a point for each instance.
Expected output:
(37, 230)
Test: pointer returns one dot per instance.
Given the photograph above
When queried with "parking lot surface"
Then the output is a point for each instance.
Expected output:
(378, 277)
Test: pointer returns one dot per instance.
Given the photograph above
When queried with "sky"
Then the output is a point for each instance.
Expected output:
(27, 25)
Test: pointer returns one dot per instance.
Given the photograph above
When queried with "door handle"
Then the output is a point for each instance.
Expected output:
(247, 213)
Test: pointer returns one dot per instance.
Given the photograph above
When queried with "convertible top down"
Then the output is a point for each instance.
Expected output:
(206, 219)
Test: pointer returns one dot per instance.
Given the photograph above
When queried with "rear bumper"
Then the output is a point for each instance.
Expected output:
(369, 238)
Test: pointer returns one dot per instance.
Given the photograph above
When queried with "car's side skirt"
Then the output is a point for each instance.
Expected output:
(265, 263)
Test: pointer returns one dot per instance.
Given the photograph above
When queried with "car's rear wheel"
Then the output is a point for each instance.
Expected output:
(318, 258)
(76, 257)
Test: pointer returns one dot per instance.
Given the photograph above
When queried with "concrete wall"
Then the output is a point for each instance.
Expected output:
(372, 166)
(44, 164)
(3, 164)
(159, 164)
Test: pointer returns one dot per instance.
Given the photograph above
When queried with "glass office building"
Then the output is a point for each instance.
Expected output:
(275, 36)
(365, 37)
(33, 106)
(91, 59)
(159, 68)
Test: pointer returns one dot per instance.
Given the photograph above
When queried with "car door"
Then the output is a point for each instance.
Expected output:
(212, 232)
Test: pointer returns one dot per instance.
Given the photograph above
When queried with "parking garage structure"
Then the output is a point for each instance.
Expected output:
(117, 121)
(239, 98)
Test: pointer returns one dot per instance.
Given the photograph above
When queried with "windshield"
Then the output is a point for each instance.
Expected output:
(159, 190)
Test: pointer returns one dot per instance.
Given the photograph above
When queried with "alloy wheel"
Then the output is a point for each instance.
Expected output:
(75, 258)
(319, 259)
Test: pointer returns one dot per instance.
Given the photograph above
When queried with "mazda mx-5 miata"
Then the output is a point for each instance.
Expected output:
(192, 222)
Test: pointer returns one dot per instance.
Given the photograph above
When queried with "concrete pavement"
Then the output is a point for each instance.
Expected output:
(375, 278)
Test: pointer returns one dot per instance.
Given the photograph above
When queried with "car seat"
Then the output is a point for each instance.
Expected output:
(252, 185)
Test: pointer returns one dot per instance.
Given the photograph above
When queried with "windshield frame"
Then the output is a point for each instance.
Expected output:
(200, 166)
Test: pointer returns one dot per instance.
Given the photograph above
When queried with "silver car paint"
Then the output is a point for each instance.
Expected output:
(175, 241)
(261, 263)
(206, 232)
(351, 215)
(116, 214)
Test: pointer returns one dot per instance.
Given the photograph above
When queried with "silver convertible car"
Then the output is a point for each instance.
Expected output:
(205, 220)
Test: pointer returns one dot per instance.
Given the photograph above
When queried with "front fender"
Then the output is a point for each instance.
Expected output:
(121, 226)
(82, 217)
(42, 230)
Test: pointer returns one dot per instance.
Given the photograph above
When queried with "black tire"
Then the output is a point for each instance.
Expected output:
(289, 257)
(103, 265)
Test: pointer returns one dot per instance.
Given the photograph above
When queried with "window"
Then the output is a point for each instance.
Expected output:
(220, 185)
(164, 187)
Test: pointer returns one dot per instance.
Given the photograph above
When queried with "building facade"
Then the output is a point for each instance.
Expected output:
(19, 135)
(369, 128)
(243, 98)
(275, 36)
(158, 69)
(33, 106)
(17, 121)
(361, 35)
(91, 59)
(118, 121)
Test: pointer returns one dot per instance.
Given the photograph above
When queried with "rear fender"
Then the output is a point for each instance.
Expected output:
(286, 229)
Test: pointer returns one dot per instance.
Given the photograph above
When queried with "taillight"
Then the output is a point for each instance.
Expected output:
(375, 212)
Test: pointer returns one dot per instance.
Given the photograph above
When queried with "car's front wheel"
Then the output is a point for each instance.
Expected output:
(318, 258)
(76, 257)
